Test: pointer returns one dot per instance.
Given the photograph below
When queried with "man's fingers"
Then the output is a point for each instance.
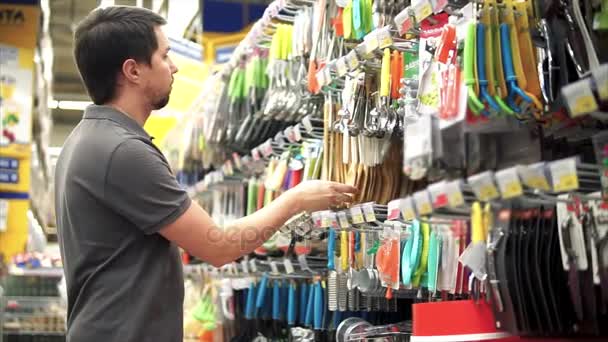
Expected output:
(344, 188)
(341, 199)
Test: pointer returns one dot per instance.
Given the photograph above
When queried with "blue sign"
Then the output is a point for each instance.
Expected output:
(9, 176)
(9, 163)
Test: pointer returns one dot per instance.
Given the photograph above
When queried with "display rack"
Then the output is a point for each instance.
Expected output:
(31, 308)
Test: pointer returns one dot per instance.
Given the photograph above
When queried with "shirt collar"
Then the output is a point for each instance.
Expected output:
(109, 113)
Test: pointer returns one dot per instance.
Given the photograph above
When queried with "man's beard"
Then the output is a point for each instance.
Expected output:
(162, 102)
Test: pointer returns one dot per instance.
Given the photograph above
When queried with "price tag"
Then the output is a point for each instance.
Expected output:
(579, 98)
(290, 134)
(245, 266)
(325, 219)
(274, 268)
(352, 61)
(327, 72)
(403, 21)
(341, 67)
(483, 186)
(255, 153)
(370, 42)
(600, 76)
(439, 5)
(343, 220)
(321, 77)
(307, 124)
(316, 219)
(423, 202)
(357, 215)
(3, 215)
(508, 183)
(368, 212)
(297, 132)
(266, 149)
(393, 209)
(422, 9)
(564, 175)
(438, 195)
(533, 176)
(455, 197)
(288, 266)
(384, 37)
(407, 209)
(237, 161)
(303, 262)
(253, 266)
(334, 219)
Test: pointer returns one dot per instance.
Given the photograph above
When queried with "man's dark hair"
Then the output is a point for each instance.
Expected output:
(106, 38)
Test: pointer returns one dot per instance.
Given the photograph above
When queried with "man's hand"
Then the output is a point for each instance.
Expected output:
(196, 232)
(316, 195)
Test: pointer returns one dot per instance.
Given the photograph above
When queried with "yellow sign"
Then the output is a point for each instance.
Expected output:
(18, 36)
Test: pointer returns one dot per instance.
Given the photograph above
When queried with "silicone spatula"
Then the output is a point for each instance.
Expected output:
(331, 247)
(291, 304)
(481, 70)
(425, 231)
(469, 70)
(527, 50)
(276, 301)
(347, 20)
(510, 77)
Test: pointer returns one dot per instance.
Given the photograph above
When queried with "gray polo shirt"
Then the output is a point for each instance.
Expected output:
(114, 192)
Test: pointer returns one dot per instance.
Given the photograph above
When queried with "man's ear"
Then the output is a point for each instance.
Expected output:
(130, 71)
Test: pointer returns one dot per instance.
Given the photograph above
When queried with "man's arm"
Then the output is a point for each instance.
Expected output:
(196, 232)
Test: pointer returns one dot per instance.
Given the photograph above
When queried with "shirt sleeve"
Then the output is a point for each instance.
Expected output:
(140, 186)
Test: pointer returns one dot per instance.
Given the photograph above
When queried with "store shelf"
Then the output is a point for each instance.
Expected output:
(54, 272)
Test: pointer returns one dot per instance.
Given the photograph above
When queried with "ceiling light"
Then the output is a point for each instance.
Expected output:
(69, 105)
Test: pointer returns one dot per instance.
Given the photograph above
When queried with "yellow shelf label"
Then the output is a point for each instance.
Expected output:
(567, 183)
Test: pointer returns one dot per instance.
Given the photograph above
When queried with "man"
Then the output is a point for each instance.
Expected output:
(120, 213)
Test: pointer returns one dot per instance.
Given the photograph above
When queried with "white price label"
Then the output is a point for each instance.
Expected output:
(600, 76)
(307, 124)
(454, 193)
(580, 98)
(288, 266)
(255, 153)
(274, 268)
(422, 199)
(384, 37)
(321, 77)
(343, 220)
(508, 182)
(403, 20)
(422, 9)
(371, 42)
(3, 215)
(483, 186)
(407, 209)
(357, 215)
(245, 266)
(352, 61)
(290, 134)
(341, 67)
(368, 211)
(297, 132)
(393, 209)
(439, 197)
(563, 175)
(326, 219)
(266, 149)
(253, 266)
(533, 176)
